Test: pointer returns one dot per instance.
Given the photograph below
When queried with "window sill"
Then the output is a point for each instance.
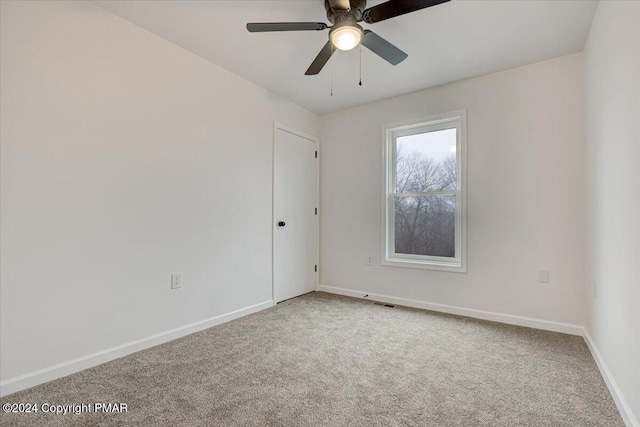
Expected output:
(455, 267)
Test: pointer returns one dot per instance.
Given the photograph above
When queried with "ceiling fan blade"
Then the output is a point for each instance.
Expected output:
(285, 26)
(321, 59)
(383, 48)
(340, 4)
(393, 8)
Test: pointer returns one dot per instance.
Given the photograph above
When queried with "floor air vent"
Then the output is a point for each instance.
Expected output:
(383, 304)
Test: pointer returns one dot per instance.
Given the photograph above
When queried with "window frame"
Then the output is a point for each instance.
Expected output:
(457, 120)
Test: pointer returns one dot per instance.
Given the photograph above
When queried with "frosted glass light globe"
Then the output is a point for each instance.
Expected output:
(346, 38)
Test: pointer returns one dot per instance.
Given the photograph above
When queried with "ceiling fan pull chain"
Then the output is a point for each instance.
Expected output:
(360, 83)
(332, 72)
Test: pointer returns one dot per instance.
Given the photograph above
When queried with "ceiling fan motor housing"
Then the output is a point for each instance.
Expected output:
(354, 13)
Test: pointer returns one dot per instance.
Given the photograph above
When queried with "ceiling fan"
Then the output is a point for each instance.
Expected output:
(345, 34)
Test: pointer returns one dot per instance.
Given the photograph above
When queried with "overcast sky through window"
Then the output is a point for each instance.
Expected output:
(438, 145)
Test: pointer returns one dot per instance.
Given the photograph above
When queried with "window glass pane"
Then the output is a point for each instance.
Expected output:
(426, 162)
(425, 225)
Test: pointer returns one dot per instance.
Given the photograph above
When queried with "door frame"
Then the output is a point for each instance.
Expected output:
(314, 139)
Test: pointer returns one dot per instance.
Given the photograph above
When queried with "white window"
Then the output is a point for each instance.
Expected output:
(425, 193)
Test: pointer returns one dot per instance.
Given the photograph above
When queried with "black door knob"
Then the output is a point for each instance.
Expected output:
(281, 224)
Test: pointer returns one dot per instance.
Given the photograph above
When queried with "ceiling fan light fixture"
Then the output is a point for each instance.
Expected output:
(346, 37)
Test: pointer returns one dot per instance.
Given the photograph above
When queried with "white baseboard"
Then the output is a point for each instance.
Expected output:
(50, 373)
(546, 325)
(623, 407)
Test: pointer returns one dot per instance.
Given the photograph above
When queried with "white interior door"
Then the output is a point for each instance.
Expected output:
(295, 232)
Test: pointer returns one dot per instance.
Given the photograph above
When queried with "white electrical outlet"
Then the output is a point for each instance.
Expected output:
(370, 261)
(543, 276)
(176, 280)
(594, 290)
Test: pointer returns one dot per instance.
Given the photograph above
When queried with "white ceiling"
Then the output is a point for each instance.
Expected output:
(445, 43)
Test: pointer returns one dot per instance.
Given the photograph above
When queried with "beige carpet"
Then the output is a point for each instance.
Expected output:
(324, 360)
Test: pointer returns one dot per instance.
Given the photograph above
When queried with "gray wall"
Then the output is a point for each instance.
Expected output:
(525, 194)
(612, 59)
(124, 159)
